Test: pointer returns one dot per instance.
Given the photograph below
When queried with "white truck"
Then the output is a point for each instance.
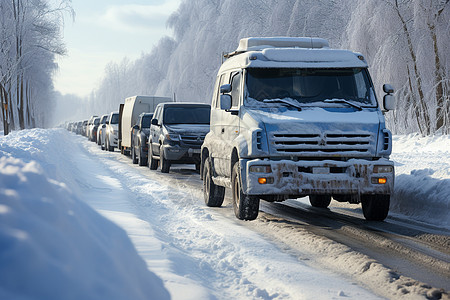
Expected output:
(132, 108)
(290, 118)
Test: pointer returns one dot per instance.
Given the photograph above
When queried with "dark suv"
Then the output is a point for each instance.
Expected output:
(177, 133)
(139, 138)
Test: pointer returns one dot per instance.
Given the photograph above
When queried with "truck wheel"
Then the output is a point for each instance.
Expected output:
(142, 159)
(321, 201)
(375, 207)
(153, 163)
(133, 155)
(212, 193)
(165, 164)
(245, 207)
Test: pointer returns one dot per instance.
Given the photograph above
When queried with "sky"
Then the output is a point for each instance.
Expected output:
(104, 31)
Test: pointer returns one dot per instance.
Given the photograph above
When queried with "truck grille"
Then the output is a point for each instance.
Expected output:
(326, 144)
(195, 140)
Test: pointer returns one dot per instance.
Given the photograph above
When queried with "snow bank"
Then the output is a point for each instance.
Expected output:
(422, 183)
(54, 246)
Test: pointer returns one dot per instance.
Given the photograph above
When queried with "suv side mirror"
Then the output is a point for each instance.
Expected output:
(388, 99)
(154, 122)
(226, 88)
(225, 102)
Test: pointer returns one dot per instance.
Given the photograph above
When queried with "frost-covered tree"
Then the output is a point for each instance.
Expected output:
(30, 39)
(404, 41)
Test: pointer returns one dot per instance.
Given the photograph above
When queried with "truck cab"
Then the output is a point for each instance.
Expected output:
(290, 118)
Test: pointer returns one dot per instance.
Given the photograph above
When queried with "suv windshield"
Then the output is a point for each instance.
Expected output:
(114, 119)
(187, 115)
(310, 86)
(146, 121)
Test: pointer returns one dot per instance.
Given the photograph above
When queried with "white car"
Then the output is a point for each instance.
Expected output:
(112, 128)
(101, 131)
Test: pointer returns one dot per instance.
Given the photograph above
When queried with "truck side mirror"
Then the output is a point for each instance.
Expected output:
(154, 122)
(388, 89)
(225, 102)
(226, 88)
(136, 127)
(388, 99)
(389, 102)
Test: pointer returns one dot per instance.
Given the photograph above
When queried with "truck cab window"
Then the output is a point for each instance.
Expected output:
(235, 89)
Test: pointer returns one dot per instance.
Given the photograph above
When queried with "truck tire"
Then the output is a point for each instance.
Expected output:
(165, 164)
(153, 163)
(375, 207)
(133, 155)
(321, 201)
(212, 193)
(245, 207)
(142, 160)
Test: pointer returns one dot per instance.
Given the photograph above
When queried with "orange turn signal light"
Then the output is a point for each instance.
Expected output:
(262, 180)
(382, 180)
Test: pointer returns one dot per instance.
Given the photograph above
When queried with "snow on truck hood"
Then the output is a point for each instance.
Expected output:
(313, 130)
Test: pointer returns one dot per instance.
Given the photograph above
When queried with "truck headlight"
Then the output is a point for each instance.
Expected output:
(260, 169)
(383, 169)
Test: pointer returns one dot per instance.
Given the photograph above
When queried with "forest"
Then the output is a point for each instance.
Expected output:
(405, 42)
(30, 39)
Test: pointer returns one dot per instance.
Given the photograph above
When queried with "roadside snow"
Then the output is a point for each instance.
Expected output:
(54, 246)
(422, 183)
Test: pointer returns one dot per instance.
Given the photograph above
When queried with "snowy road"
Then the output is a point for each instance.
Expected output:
(290, 252)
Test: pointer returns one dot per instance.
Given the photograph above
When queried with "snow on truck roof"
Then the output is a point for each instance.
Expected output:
(288, 52)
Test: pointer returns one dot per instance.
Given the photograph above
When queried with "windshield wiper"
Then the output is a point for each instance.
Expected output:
(284, 102)
(343, 101)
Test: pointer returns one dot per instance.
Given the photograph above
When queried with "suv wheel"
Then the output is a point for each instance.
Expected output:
(165, 164)
(133, 155)
(142, 160)
(153, 163)
(111, 149)
(212, 193)
(245, 207)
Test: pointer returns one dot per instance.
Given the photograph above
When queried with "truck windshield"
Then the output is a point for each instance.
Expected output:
(187, 115)
(311, 87)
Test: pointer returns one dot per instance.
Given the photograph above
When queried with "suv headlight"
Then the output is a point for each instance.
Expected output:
(174, 137)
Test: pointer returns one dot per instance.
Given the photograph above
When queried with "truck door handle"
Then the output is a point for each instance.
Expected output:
(223, 130)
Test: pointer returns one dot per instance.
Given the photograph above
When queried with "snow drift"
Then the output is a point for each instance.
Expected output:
(54, 246)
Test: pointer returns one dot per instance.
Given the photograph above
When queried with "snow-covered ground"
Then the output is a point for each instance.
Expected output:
(56, 188)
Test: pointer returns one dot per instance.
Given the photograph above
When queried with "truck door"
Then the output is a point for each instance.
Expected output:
(230, 121)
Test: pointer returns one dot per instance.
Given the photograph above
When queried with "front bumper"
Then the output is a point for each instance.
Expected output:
(176, 153)
(301, 178)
